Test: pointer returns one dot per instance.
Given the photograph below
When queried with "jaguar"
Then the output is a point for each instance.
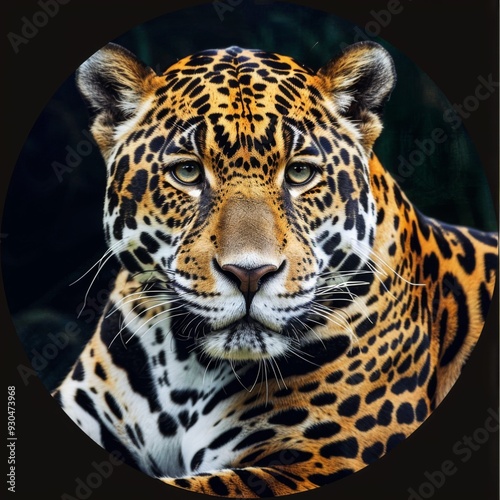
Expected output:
(284, 316)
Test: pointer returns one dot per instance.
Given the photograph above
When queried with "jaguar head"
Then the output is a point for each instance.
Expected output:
(238, 184)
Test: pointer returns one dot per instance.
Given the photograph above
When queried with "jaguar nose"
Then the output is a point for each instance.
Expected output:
(249, 280)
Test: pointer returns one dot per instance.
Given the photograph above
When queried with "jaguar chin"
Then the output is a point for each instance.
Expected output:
(245, 340)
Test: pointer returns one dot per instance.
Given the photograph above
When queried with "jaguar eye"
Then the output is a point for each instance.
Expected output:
(187, 172)
(299, 173)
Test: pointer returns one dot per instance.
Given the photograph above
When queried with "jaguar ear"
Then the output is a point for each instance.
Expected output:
(361, 80)
(113, 82)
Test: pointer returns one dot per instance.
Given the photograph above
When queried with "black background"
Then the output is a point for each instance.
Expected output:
(453, 43)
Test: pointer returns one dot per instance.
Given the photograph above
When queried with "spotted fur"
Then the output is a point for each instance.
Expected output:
(284, 315)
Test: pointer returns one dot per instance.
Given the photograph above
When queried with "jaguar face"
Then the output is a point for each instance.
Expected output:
(238, 187)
